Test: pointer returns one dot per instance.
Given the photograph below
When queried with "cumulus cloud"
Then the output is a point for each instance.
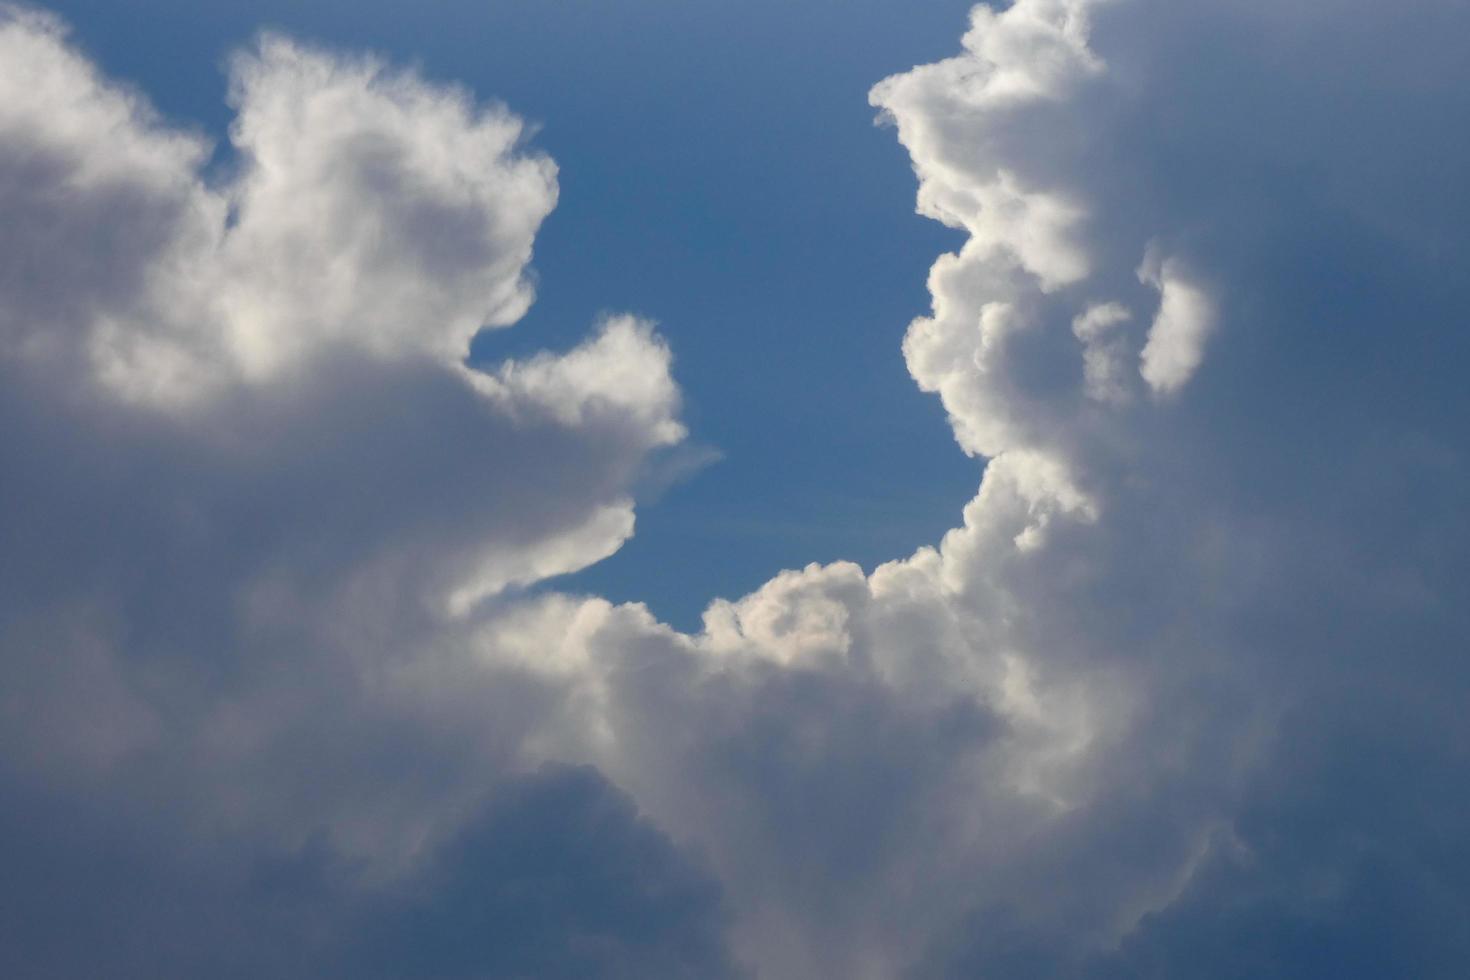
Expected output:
(1182, 694)
(1065, 742)
(252, 494)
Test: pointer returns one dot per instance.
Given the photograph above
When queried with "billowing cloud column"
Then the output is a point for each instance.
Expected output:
(1107, 727)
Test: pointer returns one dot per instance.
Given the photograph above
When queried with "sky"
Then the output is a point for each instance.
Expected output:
(782, 490)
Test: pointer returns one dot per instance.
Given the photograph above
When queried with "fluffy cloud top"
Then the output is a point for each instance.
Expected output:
(1181, 696)
(370, 212)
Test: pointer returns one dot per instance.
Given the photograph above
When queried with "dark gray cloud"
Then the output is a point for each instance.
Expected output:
(555, 875)
(557, 878)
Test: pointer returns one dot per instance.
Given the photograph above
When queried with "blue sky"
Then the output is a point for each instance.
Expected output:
(1027, 538)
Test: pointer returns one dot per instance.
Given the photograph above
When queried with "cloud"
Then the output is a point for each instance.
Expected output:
(1176, 341)
(1182, 694)
(555, 875)
(370, 212)
(254, 496)
(559, 877)
(1103, 355)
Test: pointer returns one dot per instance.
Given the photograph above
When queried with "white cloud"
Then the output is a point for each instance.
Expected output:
(370, 211)
(626, 368)
(600, 537)
(1176, 341)
(373, 209)
(965, 120)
